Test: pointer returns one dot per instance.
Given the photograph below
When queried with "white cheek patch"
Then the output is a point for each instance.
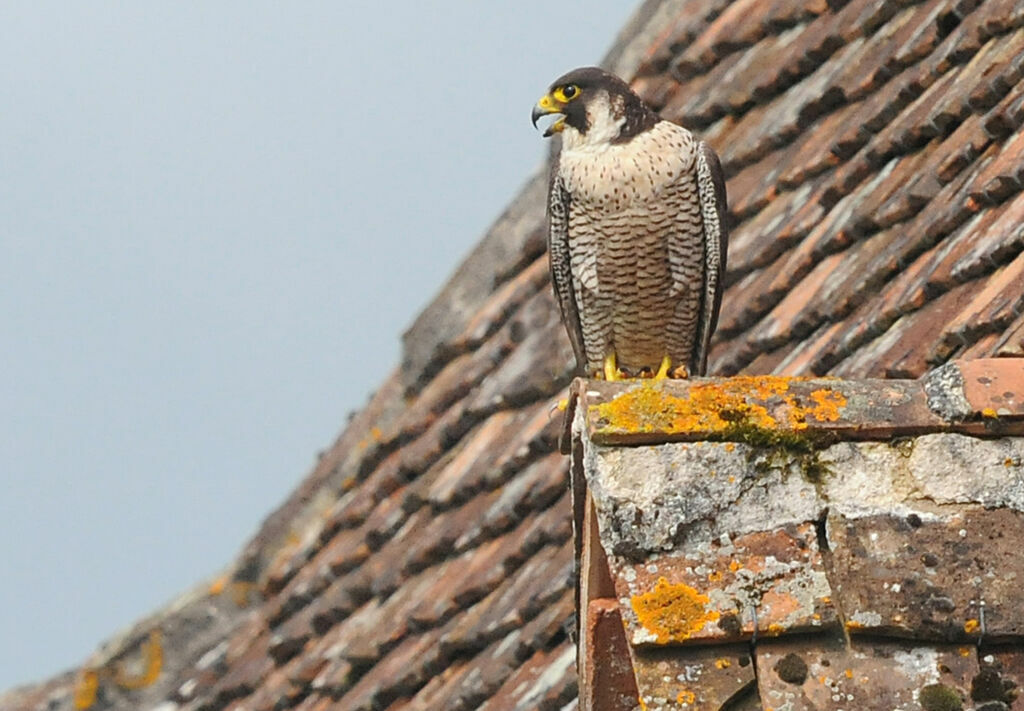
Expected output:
(604, 120)
(604, 124)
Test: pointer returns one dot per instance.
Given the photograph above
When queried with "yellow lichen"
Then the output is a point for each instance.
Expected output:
(848, 673)
(989, 412)
(672, 612)
(826, 405)
(218, 585)
(722, 663)
(685, 697)
(971, 625)
(85, 689)
(717, 407)
(153, 658)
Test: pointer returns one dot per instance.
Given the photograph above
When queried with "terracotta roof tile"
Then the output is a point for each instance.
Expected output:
(899, 352)
(1011, 344)
(993, 308)
(915, 584)
(530, 687)
(739, 25)
(679, 31)
(402, 671)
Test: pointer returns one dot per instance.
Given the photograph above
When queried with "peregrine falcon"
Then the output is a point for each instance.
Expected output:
(637, 231)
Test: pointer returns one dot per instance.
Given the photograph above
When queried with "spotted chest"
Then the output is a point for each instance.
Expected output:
(614, 176)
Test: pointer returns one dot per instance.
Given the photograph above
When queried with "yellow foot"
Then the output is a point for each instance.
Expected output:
(611, 370)
(663, 369)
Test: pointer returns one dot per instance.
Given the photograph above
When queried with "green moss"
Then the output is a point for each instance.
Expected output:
(778, 449)
(939, 697)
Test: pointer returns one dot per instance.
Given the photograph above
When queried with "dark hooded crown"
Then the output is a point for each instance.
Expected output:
(590, 81)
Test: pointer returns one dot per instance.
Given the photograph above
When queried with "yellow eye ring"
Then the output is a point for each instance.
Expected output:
(567, 93)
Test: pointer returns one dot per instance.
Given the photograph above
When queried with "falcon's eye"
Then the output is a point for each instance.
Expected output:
(567, 92)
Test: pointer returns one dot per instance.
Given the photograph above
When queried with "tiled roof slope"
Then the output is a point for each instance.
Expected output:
(875, 154)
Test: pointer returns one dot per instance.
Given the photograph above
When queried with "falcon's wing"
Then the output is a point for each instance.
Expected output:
(561, 268)
(714, 212)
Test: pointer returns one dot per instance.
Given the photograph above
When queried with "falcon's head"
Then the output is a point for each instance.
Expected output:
(595, 107)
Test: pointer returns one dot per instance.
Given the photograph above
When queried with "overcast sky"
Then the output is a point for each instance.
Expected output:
(216, 218)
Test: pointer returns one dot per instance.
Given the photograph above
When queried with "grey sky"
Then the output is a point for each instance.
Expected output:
(215, 220)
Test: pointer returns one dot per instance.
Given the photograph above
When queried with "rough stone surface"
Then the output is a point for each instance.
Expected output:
(944, 387)
(659, 498)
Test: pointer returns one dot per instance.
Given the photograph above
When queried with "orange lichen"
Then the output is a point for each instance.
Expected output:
(153, 658)
(240, 591)
(685, 697)
(672, 612)
(848, 673)
(734, 565)
(218, 585)
(990, 413)
(964, 651)
(826, 405)
(722, 663)
(717, 407)
(85, 688)
(715, 576)
(971, 626)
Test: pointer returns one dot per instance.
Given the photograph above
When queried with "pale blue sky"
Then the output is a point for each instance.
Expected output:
(216, 218)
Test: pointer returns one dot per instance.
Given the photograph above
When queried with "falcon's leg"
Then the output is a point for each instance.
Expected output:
(666, 364)
(611, 368)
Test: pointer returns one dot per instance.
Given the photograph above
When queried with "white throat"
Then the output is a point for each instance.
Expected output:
(604, 124)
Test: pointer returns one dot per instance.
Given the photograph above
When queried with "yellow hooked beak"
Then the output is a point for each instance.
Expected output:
(546, 106)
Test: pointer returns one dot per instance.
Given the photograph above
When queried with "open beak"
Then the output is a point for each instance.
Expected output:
(545, 107)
